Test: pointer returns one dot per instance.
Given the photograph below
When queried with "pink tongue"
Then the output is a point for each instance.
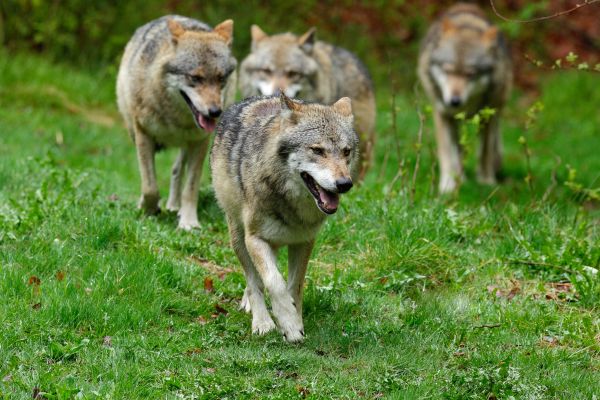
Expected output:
(208, 124)
(330, 200)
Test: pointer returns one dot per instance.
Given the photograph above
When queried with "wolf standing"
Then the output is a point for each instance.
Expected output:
(464, 66)
(278, 168)
(314, 71)
(175, 76)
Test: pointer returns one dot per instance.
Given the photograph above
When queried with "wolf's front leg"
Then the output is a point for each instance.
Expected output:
(284, 309)
(490, 155)
(145, 148)
(174, 201)
(188, 214)
(253, 300)
(298, 256)
(449, 152)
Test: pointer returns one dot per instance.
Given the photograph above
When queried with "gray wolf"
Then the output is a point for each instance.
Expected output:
(305, 68)
(175, 77)
(464, 66)
(278, 169)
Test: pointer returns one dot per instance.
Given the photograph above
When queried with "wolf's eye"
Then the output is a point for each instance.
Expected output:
(266, 71)
(319, 151)
(293, 75)
(346, 151)
(195, 79)
(222, 80)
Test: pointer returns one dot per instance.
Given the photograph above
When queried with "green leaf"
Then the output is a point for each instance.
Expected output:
(571, 57)
(583, 66)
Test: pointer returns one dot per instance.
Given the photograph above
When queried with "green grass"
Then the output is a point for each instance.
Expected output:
(428, 298)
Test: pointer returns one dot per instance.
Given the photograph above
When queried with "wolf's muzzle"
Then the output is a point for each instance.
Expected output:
(343, 185)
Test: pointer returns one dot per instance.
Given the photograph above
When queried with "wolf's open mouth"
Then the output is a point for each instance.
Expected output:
(326, 201)
(206, 123)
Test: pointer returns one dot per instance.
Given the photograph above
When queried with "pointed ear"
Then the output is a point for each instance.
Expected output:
(289, 110)
(287, 103)
(257, 33)
(343, 106)
(176, 29)
(225, 30)
(307, 40)
(490, 35)
(448, 26)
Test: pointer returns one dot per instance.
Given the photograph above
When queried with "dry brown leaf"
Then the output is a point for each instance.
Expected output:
(208, 284)
(220, 310)
(34, 280)
(37, 306)
(302, 391)
(195, 350)
(60, 276)
(107, 341)
(201, 320)
(210, 266)
(550, 341)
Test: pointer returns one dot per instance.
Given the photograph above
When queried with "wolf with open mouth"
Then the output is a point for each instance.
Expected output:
(176, 76)
(278, 169)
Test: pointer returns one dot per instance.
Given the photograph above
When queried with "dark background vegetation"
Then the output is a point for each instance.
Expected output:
(383, 33)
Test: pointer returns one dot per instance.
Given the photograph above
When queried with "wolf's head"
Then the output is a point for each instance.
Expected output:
(319, 146)
(462, 63)
(280, 62)
(200, 68)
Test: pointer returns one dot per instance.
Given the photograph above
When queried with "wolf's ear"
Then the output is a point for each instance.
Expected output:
(448, 26)
(176, 29)
(289, 108)
(490, 35)
(225, 30)
(307, 41)
(257, 33)
(343, 106)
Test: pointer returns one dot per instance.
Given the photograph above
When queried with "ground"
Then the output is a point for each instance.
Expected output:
(491, 293)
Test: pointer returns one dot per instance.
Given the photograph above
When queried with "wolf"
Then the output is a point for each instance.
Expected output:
(278, 169)
(175, 77)
(312, 70)
(464, 66)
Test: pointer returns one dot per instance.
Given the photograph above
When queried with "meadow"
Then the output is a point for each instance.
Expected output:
(490, 293)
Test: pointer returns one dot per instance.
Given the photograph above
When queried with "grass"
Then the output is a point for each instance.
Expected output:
(488, 294)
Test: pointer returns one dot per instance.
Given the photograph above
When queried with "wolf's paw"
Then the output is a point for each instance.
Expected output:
(290, 323)
(293, 336)
(149, 204)
(448, 184)
(245, 303)
(262, 324)
(486, 179)
(188, 224)
(172, 206)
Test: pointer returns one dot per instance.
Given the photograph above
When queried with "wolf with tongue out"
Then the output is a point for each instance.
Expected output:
(176, 76)
(278, 169)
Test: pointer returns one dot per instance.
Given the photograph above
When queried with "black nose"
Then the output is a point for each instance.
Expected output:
(455, 101)
(214, 112)
(343, 185)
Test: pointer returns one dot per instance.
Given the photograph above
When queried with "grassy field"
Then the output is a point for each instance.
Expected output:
(493, 293)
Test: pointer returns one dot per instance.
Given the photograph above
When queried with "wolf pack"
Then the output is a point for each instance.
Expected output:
(303, 134)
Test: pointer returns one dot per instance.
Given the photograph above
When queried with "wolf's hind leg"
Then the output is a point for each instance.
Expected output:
(188, 214)
(490, 157)
(174, 201)
(265, 261)
(298, 256)
(253, 294)
(145, 148)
